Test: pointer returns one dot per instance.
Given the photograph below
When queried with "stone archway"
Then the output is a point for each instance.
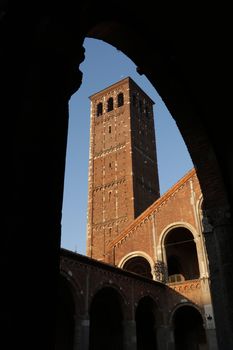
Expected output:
(181, 255)
(35, 124)
(138, 262)
(189, 332)
(106, 321)
(139, 265)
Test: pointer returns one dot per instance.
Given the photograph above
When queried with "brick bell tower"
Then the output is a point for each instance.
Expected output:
(123, 173)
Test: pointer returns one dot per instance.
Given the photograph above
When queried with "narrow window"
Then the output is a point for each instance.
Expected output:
(109, 196)
(99, 109)
(110, 165)
(109, 129)
(120, 99)
(147, 112)
(110, 104)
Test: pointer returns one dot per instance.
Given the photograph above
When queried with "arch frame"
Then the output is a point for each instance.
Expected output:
(161, 250)
(77, 293)
(184, 304)
(117, 289)
(136, 254)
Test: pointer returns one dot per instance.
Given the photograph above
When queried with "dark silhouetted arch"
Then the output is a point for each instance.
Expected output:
(99, 110)
(110, 104)
(188, 329)
(120, 99)
(138, 265)
(106, 329)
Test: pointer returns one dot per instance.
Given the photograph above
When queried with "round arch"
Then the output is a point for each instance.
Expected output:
(75, 291)
(198, 239)
(141, 259)
(109, 285)
(188, 326)
(67, 311)
(106, 319)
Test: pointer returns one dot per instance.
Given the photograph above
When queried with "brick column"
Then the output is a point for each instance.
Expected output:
(165, 338)
(81, 334)
(130, 336)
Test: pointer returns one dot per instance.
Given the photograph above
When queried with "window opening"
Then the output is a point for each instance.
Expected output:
(110, 104)
(99, 109)
(120, 100)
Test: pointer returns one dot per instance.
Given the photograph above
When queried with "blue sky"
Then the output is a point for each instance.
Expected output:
(105, 65)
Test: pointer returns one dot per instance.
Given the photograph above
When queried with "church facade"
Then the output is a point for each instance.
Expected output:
(144, 283)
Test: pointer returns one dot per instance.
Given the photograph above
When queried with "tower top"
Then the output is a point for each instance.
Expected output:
(128, 80)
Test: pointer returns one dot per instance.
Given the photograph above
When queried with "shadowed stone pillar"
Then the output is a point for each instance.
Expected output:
(219, 240)
(37, 79)
(130, 335)
(81, 334)
(165, 338)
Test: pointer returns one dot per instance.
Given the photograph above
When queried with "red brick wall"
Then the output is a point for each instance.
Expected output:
(119, 160)
(178, 206)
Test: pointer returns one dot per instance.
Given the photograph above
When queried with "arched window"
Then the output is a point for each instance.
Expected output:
(189, 332)
(181, 253)
(138, 265)
(120, 99)
(110, 104)
(99, 109)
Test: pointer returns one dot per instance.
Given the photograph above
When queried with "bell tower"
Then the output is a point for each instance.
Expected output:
(123, 173)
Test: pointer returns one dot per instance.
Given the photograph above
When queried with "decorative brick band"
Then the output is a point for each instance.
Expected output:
(109, 184)
(110, 223)
(109, 150)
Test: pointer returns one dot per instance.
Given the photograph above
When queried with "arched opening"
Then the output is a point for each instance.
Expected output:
(181, 254)
(120, 99)
(106, 317)
(181, 67)
(138, 265)
(189, 331)
(99, 109)
(65, 316)
(146, 324)
(97, 70)
(110, 104)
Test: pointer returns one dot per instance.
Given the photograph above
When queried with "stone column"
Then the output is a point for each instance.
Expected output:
(38, 75)
(165, 338)
(219, 241)
(130, 335)
(81, 336)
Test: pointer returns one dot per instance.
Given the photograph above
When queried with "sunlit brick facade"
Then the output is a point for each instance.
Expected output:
(123, 174)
